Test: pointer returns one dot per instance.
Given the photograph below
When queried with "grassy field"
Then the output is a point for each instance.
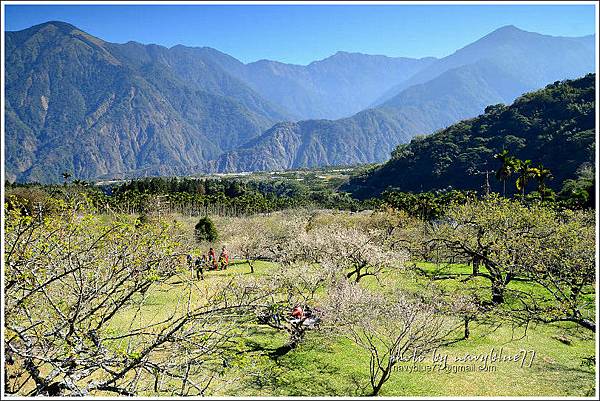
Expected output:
(325, 365)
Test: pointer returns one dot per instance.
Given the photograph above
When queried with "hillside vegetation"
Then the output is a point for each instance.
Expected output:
(554, 127)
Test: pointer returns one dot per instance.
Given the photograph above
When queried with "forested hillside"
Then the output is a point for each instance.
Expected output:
(554, 127)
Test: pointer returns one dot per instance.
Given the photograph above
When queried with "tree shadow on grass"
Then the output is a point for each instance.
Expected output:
(583, 370)
(308, 377)
(572, 380)
(271, 352)
(295, 371)
(255, 346)
(576, 332)
(280, 351)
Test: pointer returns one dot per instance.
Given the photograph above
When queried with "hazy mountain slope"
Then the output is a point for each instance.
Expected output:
(371, 135)
(554, 126)
(195, 69)
(77, 103)
(456, 94)
(537, 59)
(365, 137)
(338, 86)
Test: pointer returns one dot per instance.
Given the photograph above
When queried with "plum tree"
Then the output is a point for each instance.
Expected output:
(70, 277)
(391, 327)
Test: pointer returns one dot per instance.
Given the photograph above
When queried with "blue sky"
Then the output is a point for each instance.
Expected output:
(303, 33)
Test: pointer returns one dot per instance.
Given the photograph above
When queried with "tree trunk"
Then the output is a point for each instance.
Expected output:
(384, 377)
(376, 390)
(475, 266)
(497, 293)
(588, 324)
(583, 322)
(296, 335)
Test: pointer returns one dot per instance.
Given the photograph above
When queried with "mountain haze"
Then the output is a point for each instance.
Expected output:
(338, 86)
(371, 135)
(537, 59)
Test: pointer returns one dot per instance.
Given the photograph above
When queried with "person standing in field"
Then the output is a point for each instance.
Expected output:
(190, 263)
(212, 259)
(297, 313)
(200, 263)
(224, 258)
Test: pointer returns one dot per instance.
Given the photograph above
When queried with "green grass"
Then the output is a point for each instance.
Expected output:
(325, 365)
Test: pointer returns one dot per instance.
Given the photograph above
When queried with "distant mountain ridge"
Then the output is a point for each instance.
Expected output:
(367, 136)
(504, 47)
(76, 103)
(335, 87)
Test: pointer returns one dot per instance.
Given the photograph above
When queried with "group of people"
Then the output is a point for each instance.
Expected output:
(208, 262)
(305, 317)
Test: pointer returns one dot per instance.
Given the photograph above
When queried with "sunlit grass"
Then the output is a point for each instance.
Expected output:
(325, 365)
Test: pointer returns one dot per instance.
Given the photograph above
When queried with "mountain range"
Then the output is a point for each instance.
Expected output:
(104, 110)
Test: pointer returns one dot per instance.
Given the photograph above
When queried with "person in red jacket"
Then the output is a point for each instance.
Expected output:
(224, 258)
(297, 312)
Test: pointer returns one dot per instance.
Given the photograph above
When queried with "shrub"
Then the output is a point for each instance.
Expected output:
(205, 230)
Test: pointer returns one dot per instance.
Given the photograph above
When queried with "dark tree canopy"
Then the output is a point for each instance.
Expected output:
(205, 230)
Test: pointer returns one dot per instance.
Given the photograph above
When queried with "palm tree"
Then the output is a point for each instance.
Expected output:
(66, 175)
(525, 172)
(541, 175)
(506, 169)
(80, 183)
